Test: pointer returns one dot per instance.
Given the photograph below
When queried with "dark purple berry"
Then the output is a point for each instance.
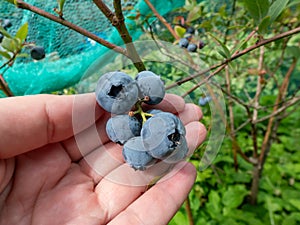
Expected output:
(201, 44)
(37, 53)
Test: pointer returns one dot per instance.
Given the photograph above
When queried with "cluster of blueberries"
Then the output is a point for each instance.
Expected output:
(147, 136)
(36, 52)
(185, 42)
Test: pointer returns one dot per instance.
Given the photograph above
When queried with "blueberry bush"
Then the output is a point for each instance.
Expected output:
(251, 51)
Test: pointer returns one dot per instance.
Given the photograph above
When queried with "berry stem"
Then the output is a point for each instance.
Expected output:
(139, 110)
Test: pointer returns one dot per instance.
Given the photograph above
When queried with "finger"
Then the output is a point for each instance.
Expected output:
(195, 135)
(29, 122)
(159, 204)
(190, 113)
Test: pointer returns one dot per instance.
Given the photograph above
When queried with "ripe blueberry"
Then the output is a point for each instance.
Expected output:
(161, 134)
(121, 128)
(136, 155)
(150, 85)
(116, 92)
(37, 53)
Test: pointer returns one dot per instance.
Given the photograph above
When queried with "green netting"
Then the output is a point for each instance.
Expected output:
(68, 54)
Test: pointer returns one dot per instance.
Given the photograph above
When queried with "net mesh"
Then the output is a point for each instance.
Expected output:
(68, 53)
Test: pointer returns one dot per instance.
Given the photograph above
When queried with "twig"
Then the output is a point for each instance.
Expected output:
(280, 110)
(4, 87)
(286, 114)
(256, 101)
(229, 21)
(280, 95)
(162, 19)
(26, 6)
(117, 20)
(189, 211)
(237, 55)
(242, 125)
(203, 81)
(231, 119)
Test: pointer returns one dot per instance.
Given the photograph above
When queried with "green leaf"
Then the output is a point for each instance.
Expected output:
(61, 4)
(213, 205)
(9, 44)
(293, 51)
(234, 196)
(264, 25)
(257, 9)
(180, 31)
(276, 9)
(225, 53)
(292, 219)
(194, 14)
(292, 3)
(178, 219)
(5, 54)
(5, 33)
(295, 203)
(11, 1)
(22, 32)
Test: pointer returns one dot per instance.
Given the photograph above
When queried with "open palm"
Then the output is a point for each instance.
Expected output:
(46, 178)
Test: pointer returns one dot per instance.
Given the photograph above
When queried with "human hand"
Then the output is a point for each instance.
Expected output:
(47, 178)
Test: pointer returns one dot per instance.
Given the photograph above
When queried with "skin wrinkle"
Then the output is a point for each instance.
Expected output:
(50, 129)
(35, 202)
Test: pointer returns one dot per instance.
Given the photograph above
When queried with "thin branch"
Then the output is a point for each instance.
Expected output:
(231, 96)
(237, 55)
(200, 73)
(242, 125)
(205, 80)
(280, 110)
(26, 6)
(256, 101)
(231, 118)
(4, 87)
(230, 20)
(162, 19)
(286, 114)
(189, 211)
(281, 94)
